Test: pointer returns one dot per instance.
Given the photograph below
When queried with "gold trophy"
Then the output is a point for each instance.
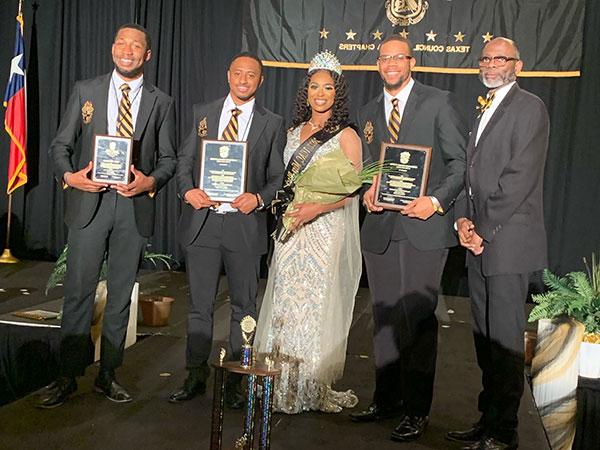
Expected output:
(248, 326)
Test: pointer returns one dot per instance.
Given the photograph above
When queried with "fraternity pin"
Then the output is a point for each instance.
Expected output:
(202, 128)
(368, 131)
(87, 112)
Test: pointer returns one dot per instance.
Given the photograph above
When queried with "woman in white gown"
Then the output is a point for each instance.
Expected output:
(313, 278)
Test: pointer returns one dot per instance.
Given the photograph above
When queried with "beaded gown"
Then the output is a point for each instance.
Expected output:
(307, 308)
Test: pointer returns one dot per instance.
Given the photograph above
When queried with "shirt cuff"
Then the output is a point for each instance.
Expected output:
(436, 205)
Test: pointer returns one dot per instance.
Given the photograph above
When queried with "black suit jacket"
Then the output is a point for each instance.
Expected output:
(429, 119)
(153, 149)
(266, 139)
(505, 180)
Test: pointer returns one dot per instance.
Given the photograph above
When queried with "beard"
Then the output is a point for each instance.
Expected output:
(393, 86)
(502, 80)
(129, 73)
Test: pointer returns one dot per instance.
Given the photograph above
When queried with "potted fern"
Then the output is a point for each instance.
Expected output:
(568, 346)
(575, 295)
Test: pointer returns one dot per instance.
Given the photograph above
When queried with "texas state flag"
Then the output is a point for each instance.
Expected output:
(15, 118)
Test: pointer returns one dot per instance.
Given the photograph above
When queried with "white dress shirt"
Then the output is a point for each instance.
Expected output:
(402, 97)
(114, 98)
(499, 95)
(244, 123)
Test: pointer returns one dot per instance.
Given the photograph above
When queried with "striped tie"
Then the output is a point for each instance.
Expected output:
(124, 120)
(230, 133)
(394, 122)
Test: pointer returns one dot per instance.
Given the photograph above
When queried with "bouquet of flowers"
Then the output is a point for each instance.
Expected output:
(328, 180)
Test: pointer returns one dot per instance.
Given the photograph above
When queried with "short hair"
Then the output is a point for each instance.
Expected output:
(248, 55)
(138, 27)
(398, 38)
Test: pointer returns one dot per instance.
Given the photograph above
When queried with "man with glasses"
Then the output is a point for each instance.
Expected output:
(503, 229)
(405, 251)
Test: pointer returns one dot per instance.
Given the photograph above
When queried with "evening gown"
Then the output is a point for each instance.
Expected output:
(307, 308)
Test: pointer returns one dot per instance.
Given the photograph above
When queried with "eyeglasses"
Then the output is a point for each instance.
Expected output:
(384, 59)
(499, 61)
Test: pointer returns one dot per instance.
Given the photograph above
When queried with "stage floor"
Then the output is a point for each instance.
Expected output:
(154, 367)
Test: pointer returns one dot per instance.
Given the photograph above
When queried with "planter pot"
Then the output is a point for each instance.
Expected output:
(554, 369)
(156, 310)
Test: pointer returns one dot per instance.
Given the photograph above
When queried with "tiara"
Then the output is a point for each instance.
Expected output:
(325, 60)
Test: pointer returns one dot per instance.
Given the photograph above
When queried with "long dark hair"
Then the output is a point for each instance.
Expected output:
(339, 114)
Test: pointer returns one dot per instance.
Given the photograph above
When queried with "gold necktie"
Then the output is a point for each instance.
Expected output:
(485, 103)
(230, 133)
(124, 119)
(394, 122)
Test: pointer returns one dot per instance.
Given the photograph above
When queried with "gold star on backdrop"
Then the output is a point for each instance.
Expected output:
(377, 34)
(459, 37)
(404, 33)
(431, 36)
(350, 35)
(323, 34)
(487, 37)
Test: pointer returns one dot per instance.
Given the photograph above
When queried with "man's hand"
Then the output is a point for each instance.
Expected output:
(421, 208)
(369, 197)
(198, 199)
(304, 213)
(141, 183)
(465, 230)
(80, 180)
(468, 237)
(246, 202)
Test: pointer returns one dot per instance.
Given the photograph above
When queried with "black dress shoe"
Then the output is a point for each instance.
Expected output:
(490, 443)
(473, 434)
(375, 413)
(410, 428)
(191, 387)
(112, 390)
(57, 393)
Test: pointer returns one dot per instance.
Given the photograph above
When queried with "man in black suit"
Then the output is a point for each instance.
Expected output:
(232, 235)
(405, 251)
(503, 229)
(103, 220)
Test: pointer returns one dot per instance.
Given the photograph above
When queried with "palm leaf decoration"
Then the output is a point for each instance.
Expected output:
(576, 295)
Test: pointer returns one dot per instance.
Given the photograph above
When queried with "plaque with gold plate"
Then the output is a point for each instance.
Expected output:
(405, 177)
(223, 168)
(112, 158)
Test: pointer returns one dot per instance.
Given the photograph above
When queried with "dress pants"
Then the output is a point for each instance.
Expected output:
(112, 232)
(204, 259)
(404, 284)
(498, 308)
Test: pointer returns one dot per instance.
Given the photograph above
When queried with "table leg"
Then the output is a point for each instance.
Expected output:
(267, 408)
(216, 431)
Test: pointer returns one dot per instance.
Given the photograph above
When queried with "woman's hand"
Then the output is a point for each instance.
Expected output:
(304, 213)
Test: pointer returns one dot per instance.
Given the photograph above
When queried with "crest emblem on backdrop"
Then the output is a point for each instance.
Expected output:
(405, 12)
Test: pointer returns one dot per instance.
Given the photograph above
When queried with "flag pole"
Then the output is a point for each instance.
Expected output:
(7, 257)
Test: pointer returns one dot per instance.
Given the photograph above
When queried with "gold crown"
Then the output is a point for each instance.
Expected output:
(325, 60)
